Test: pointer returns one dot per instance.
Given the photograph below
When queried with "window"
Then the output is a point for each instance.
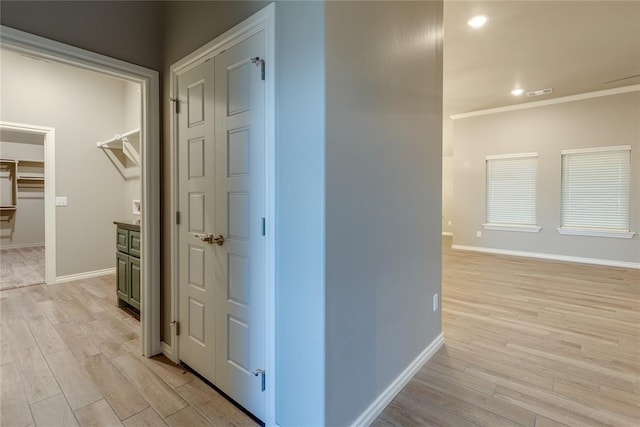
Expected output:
(511, 192)
(595, 191)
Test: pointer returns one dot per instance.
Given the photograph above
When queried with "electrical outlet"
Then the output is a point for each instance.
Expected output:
(449, 223)
(478, 233)
(61, 201)
(435, 302)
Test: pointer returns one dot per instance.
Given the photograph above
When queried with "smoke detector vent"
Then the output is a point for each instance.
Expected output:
(540, 92)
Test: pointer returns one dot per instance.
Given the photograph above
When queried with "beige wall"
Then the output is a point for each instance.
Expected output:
(132, 113)
(84, 107)
(596, 122)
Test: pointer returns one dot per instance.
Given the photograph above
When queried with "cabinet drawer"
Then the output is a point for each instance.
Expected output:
(122, 240)
(134, 243)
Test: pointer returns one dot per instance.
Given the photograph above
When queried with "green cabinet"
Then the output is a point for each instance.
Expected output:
(128, 267)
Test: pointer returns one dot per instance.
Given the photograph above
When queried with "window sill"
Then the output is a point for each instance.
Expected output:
(512, 227)
(596, 233)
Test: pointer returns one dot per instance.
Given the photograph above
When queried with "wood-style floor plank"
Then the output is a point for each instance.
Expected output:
(539, 343)
(76, 385)
(46, 336)
(37, 379)
(97, 414)
(14, 407)
(187, 417)
(146, 418)
(54, 411)
(124, 399)
(158, 393)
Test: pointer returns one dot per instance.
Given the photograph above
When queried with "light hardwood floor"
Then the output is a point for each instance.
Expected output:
(529, 342)
(69, 356)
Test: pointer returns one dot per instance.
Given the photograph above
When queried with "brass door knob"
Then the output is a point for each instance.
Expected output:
(211, 239)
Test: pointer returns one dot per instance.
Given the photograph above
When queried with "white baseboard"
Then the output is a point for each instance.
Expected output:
(447, 233)
(26, 245)
(554, 257)
(381, 402)
(87, 275)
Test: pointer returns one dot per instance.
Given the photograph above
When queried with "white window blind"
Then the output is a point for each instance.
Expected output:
(511, 189)
(595, 188)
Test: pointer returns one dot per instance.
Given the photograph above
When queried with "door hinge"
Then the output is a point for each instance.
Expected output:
(176, 105)
(178, 218)
(176, 325)
(257, 60)
(264, 227)
(264, 375)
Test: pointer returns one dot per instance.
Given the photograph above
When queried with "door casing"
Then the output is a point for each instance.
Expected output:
(41, 47)
(264, 20)
(49, 135)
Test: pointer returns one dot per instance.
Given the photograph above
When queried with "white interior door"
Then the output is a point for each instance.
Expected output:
(222, 196)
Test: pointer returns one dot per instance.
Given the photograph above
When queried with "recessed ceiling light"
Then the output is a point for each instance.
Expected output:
(517, 92)
(478, 21)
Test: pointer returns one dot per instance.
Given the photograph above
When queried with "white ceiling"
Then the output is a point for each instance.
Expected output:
(570, 46)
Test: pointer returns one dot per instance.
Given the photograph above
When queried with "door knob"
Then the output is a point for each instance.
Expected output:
(211, 239)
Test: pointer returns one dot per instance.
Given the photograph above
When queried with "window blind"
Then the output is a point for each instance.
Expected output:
(511, 189)
(595, 188)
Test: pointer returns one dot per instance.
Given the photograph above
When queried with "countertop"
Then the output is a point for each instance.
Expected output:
(129, 224)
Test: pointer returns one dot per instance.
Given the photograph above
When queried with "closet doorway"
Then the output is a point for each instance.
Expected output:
(27, 224)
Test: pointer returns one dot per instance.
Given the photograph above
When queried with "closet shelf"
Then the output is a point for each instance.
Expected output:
(128, 142)
(30, 177)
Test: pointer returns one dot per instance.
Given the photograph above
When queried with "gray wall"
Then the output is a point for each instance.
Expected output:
(26, 226)
(596, 122)
(383, 195)
(300, 180)
(127, 30)
(83, 107)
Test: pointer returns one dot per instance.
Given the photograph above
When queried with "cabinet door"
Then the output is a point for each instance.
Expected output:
(122, 276)
(134, 243)
(134, 280)
(122, 240)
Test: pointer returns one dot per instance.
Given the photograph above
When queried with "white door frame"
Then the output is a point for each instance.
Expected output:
(49, 135)
(264, 20)
(150, 164)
